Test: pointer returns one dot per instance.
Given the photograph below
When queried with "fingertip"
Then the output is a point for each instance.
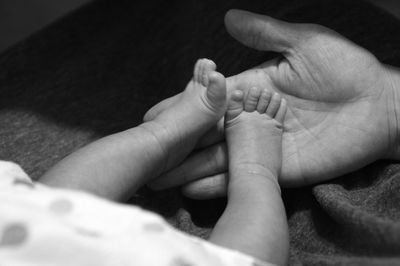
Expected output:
(230, 17)
(261, 32)
(234, 14)
(207, 188)
(148, 116)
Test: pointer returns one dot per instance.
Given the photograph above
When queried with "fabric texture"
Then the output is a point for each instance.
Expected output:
(99, 69)
(40, 225)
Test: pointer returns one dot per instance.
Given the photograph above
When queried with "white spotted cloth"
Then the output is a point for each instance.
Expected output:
(46, 226)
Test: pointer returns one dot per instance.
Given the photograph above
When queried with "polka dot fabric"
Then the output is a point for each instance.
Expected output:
(44, 226)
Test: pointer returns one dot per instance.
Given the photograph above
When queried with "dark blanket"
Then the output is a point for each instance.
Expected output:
(99, 69)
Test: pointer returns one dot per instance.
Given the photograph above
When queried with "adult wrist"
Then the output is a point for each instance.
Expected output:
(392, 85)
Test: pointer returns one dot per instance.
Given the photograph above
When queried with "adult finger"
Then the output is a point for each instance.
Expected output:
(207, 162)
(262, 32)
(207, 188)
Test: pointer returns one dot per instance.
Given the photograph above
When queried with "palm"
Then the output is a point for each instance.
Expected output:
(338, 97)
(334, 121)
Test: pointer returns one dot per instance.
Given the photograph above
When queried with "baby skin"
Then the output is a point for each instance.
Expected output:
(254, 221)
(115, 166)
(255, 211)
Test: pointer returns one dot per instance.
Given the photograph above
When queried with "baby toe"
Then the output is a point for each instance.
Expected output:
(273, 105)
(216, 91)
(251, 101)
(235, 105)
(280, 115)
(208, 66)
(263, 102)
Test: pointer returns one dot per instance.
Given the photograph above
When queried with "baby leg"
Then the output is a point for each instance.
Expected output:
(254, 221)
(115, 166)
(200, 106)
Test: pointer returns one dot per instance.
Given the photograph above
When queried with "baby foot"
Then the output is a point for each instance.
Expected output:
(200, 106)
(253, 128)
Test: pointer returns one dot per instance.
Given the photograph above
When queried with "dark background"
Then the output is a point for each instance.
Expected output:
(97, 71)
(21, 18)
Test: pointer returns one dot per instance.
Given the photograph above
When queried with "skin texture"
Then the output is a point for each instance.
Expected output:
(255, 211)
(342, 106)
(115, 166)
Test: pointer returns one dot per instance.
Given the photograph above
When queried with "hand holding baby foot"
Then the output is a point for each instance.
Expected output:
(253, 128)
(342, 104)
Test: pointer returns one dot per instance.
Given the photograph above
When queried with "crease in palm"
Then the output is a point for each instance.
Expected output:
(339, 105)
(327, 128)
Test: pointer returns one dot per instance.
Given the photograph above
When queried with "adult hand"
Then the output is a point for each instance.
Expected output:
(342, 105)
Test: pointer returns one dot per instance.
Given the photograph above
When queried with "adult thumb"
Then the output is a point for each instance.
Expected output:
(262, 32)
